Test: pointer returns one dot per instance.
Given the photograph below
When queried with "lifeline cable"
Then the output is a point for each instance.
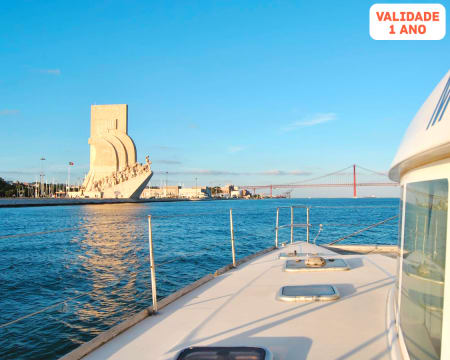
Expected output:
(360, 231)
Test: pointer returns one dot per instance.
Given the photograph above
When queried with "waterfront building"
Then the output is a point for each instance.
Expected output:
(176, 192)
(227, 189)
(195, 192)
(160, 192)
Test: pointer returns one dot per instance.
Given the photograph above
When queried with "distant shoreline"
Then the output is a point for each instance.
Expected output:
(33, 202)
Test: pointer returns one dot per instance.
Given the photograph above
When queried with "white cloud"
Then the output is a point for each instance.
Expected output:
(299, 173)
(51, 71)
(235, 149)
(233, 173)
(314, 120)
(281, 172)
(5, 112)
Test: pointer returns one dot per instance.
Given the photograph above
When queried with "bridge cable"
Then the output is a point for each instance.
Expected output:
(372, 171)
(322, 176)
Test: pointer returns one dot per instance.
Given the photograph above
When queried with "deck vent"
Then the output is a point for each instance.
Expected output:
(331, 264)
(441, 105)
(308, 293)
(225, 352)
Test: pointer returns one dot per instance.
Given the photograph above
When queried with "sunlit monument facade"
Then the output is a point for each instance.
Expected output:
(114, 171)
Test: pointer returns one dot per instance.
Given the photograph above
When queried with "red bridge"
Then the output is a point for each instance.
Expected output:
(342, 178)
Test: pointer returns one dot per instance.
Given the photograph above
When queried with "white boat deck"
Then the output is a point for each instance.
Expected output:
(240, 308)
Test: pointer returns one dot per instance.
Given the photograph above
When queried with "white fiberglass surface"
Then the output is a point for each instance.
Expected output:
(422, 296)
(333, 264)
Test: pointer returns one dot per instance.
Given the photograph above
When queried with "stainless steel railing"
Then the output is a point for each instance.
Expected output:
(152, 258)
(292, 225)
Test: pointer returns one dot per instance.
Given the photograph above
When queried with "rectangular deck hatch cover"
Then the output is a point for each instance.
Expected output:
(308, 293)
(330, 265)
(224, 353)
(290, 255)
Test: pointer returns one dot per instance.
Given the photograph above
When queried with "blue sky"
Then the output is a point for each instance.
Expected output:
(244, 92)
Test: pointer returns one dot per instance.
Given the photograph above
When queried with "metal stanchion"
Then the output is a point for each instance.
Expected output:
(276, 229)
(152, 264)
(307, 225)
(292, 224)
(232, 238)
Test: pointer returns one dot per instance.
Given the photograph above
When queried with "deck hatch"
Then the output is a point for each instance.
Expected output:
(331, 264)
(291, 255)
(224, 352)
(308, 293)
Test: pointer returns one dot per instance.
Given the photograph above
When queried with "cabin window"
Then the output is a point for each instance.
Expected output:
(425, 235)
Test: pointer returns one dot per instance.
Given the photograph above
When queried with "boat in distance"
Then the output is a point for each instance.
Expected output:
(379, 307)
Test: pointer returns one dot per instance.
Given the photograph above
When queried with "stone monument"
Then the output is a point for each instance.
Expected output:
(114, 171)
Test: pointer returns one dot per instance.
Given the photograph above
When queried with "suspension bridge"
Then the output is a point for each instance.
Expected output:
(352, 176)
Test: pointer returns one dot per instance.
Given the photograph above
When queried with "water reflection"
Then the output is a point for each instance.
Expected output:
(110, 262)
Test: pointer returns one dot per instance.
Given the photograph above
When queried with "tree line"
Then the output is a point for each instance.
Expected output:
(19, 189)
(7, 189)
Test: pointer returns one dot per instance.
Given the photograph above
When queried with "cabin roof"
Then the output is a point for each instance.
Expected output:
(427, 138)
(239, 308)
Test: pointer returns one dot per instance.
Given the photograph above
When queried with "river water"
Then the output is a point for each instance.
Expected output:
(97, 255)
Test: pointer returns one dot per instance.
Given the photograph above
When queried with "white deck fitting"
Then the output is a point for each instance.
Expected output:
(337, 264)
(209, 352)
(302, 293)
(291, 255)
(240, 308)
